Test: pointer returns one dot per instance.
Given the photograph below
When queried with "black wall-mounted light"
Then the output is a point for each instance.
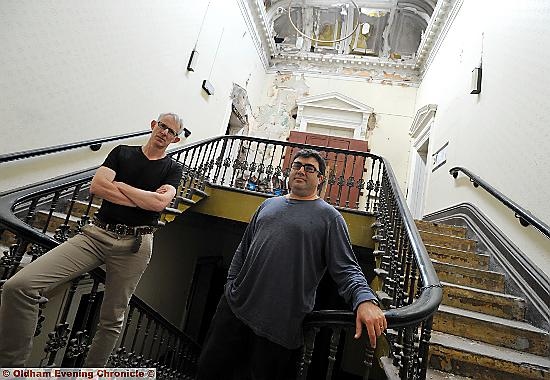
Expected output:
(208, 87)
(476, 81)
(192, 64)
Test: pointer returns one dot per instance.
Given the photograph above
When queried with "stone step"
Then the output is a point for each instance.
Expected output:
(440, 228)
(493, 330)
(56, 220)
(453, 242)
(484, 301)
(392, 372)
(457, 257)
(464, 357)
(80, 207)
(475, 278)
(433, 374)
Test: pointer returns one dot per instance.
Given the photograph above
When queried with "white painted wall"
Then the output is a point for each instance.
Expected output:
(502, 135)
(393, 105)
(75, 70)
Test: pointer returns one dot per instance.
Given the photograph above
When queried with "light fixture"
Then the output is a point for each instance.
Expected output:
(207, 86)
(193, 60)
(192, 64)
(476, 81)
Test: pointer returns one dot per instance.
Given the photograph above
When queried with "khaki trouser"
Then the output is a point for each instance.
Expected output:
(82, 253)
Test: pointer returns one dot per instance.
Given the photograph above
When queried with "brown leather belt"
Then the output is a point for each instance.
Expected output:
(123, 229)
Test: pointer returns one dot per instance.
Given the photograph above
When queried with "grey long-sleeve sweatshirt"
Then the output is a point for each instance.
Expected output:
(286, 248)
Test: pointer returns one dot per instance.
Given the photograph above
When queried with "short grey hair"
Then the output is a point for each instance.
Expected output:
(176, 118)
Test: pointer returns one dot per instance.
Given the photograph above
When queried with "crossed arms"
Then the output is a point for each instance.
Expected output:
(104, 186)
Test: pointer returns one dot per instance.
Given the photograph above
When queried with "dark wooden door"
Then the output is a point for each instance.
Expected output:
(342, 169)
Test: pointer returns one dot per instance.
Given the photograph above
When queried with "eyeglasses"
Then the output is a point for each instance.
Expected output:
(296, 165)
(164, 127)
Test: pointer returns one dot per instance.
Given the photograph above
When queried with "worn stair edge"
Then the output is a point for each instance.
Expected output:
(80, 206)
(171, 211)
(200, 193)
(458, 257)
(448, 241)
(485, 359)
(466, 276)
(187, 201)
(502, 332)
(484, 301)
(447, 229)
(57, 219)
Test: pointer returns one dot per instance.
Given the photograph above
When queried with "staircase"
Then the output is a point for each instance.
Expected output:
(479, 331)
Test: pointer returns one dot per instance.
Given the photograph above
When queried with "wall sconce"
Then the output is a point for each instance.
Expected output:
(208, 87)
(192, 60)
(476, 81)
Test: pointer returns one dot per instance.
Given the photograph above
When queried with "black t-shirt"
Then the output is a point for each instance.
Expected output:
(135, 169)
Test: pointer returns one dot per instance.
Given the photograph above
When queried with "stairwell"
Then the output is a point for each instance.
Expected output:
(479, 331)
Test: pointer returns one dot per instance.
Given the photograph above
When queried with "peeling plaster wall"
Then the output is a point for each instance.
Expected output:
(393, 106)
(501, 135)
(75, 70)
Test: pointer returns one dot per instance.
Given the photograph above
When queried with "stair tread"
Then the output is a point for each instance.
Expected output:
(490, 318)
(86, 203)
(444, 235)
(186, 200)
(456, 250)
(484, 271)
(488, 292)
(60, 215)
(496, 352)
(433, 374)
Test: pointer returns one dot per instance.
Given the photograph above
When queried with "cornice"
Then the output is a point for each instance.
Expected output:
(422, 117)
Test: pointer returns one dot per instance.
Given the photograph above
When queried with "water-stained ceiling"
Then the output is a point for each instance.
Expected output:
(379, 40)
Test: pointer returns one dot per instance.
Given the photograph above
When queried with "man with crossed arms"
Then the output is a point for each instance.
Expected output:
(136, 183)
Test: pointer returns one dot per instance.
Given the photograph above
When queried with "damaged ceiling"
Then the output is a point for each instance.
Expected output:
(387, 41)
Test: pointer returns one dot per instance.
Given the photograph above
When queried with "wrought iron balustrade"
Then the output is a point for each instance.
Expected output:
(40, 217)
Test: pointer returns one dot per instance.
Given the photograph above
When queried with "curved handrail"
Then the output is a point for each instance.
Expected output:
(432, 291)
(63, 147)
(524, 216)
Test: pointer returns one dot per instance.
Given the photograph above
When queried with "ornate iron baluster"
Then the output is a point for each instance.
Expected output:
(42, 302)
(351, 181)
(62, 232)
(333, 348)
(59, 336)
(190, 173)
(227, 163)
(341, 180)
(121, 355)
(78, 346)
(309, 345)
(53, 206)
(140, 359)
(369, 358)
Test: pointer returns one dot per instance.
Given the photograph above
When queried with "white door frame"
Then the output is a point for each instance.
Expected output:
(418, 171)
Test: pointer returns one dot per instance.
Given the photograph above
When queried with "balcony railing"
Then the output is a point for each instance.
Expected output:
(359, 181)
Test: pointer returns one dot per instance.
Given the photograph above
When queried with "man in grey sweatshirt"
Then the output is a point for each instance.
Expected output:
(287, 247)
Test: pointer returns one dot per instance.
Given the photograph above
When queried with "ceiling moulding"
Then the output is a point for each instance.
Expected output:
(251, 14)
(378, 69)
(421, 119)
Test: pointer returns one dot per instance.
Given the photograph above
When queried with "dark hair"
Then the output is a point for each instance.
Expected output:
(306, 153)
